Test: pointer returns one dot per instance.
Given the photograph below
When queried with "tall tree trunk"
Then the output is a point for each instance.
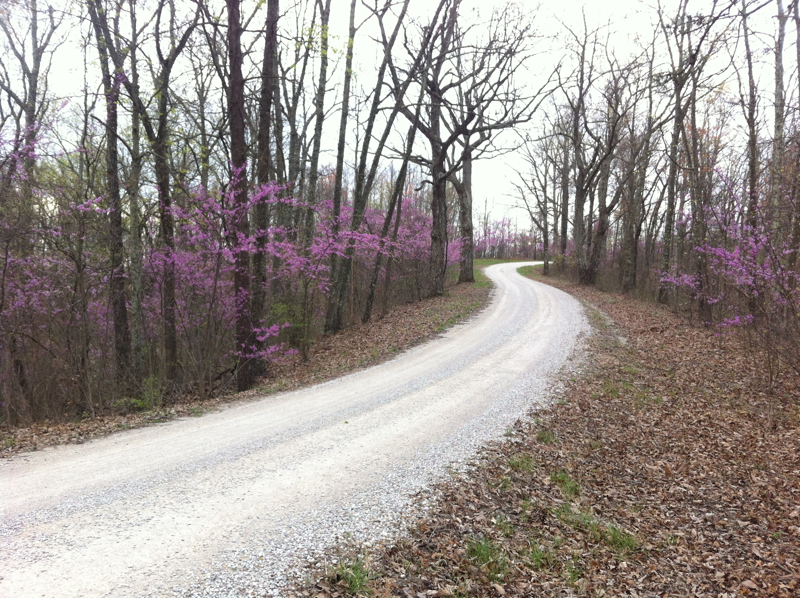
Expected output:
(438, 259)
(752, 133)
(387, 277)
(338, 184)
(364, 180)
(466, 273)
(672, 184)
(340, 147)
(119, 306)
(795, 212)
(265, 173)
(319, 118)
(240, 228)
(395, 202)
(167, 231)
(778, 143)
(137, 336)
(565, 168)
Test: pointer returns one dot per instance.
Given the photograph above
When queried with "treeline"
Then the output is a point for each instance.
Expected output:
(182, 220)
(673, 172)
(228, 182)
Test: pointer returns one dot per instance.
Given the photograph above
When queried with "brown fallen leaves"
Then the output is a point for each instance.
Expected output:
(666, 470)
(331, 356)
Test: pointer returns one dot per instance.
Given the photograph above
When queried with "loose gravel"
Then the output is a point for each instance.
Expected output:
(238, 503)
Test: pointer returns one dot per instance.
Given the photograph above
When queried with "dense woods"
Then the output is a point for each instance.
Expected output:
(227, 184)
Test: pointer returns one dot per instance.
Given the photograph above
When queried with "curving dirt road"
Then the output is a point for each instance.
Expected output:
(228, 504)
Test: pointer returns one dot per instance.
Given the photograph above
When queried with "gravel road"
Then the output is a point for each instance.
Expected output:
(231, 503)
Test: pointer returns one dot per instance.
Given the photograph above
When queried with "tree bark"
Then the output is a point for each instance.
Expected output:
(119, 308)
(240, 229)
(466, 273)
(265, 173)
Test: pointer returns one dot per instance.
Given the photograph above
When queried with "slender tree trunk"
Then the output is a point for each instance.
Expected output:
(387, 277)
(466, 273)
(778, 143)
(795, 212)
(340, 147)
(167, 231)
(364, 180)
(438, 260)
(122, 337)
(137, 336)
(335, 271)
(265, 173)
(395, 202)
(565, 168)
(319, 118)
(752, 133)
(672, 184)
(240, 228)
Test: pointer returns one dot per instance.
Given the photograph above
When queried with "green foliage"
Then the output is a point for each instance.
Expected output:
(289, 312)
(521, 462)
(481, 280)
(527, 271)
(545, 436)
(540, 557)
(488, 556)
(356, 576)
(619, 540)
(152, 392)
(504, 525)
(569, 487)
(615, 538)
(151, 397)
(582, 520)
(574, 570)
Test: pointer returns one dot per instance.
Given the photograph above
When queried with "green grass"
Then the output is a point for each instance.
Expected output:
(481, 280)
(582, 520)
(596, 319)
(574, 570)
(610, 389)
(488, 556)
(356, 576)
(569, 487)
(521, 462)
(527, 271)
(618, 540)
(545, 436)
(540, 557)
(504, 525)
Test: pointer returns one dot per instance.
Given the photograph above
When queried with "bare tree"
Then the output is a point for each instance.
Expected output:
(472, 94)
(111, 87)
(367, 169)
(157, 133)
(690, 44)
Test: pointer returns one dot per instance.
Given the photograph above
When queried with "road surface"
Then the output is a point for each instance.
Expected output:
(231, 503)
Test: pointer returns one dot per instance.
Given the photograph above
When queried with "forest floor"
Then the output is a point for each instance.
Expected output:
(330, 357)
(666, 469)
